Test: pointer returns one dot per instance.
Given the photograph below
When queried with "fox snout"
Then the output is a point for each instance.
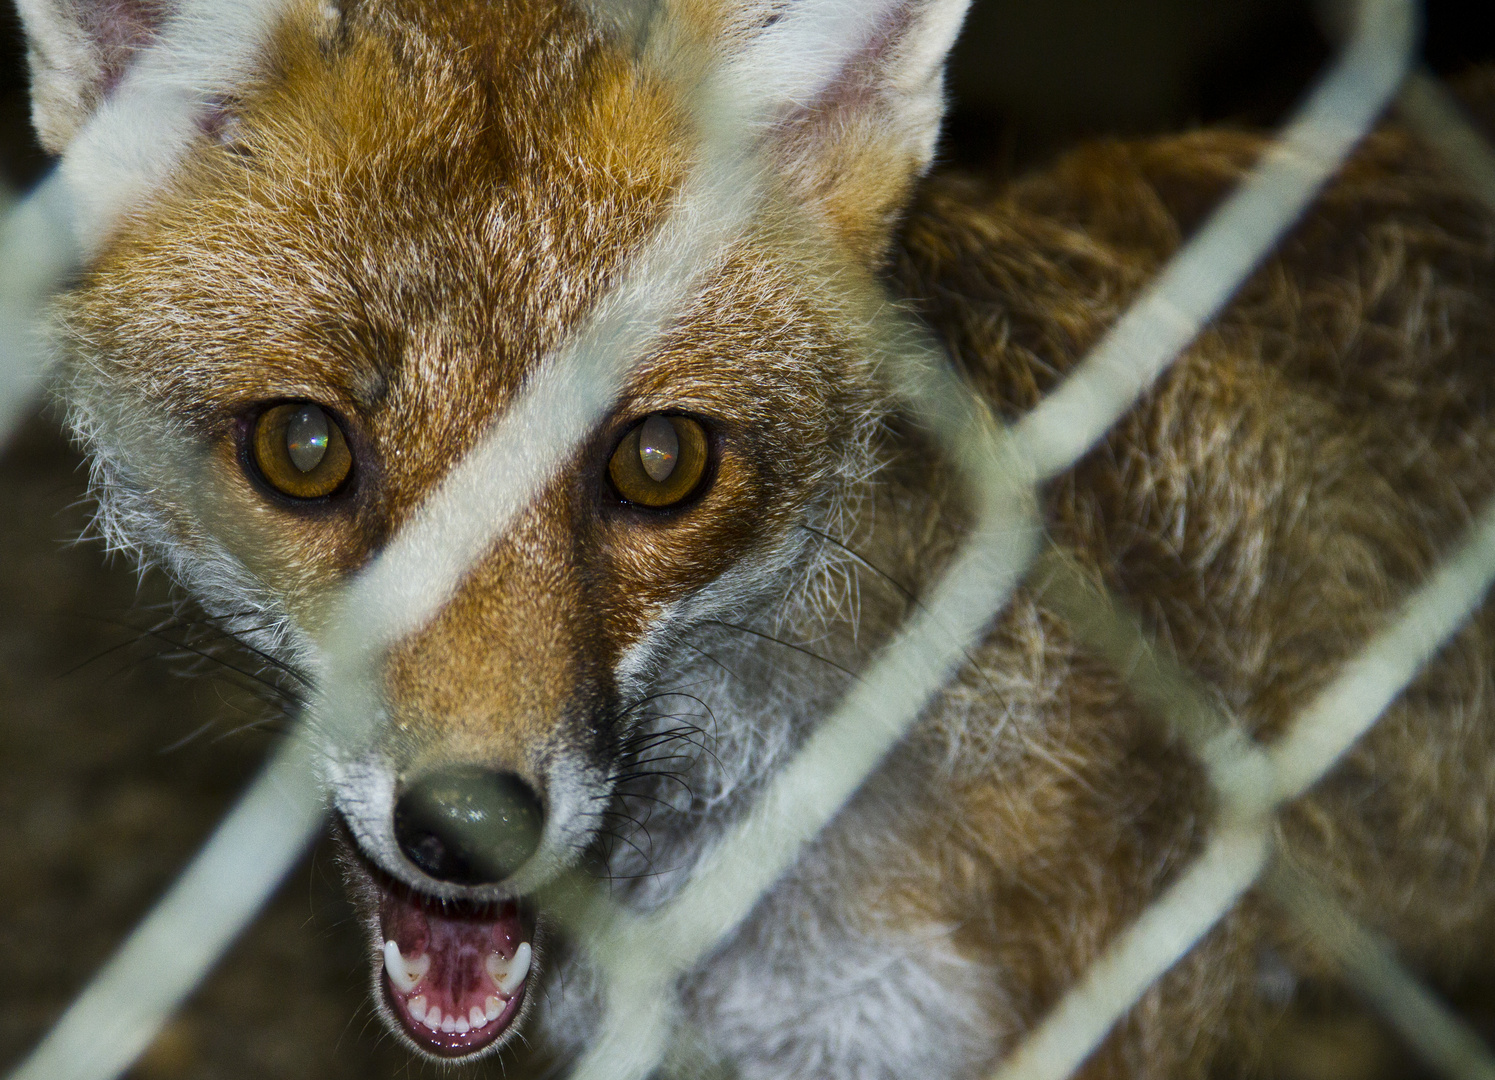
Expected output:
(461, 812)
(450, 969)
(468, 802)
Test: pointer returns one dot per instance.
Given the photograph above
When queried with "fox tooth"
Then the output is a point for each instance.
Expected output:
(508, 974)
(433, 1018)
(518, 969)
(405, 974)
(449, 1025)
(476, 1018)
(492, 1006)
(417, 1007)
(462, 1026)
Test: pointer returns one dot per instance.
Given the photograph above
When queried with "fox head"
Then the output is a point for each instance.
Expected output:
(369, 252)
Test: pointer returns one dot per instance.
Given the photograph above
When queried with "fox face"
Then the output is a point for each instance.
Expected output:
(375, 246)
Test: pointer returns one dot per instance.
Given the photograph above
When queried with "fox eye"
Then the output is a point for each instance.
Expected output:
(300, 451)
(660, 462)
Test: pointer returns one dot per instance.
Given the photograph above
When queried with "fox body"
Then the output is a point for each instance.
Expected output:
(381, 236)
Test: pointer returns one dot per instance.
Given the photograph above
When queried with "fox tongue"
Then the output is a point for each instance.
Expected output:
(454, 978)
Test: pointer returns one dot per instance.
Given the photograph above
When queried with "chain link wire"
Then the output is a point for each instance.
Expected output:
(640, 956)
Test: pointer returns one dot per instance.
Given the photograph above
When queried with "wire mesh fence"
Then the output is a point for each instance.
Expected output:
(640, 957)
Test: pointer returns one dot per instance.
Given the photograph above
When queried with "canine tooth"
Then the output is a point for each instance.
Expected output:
(449, 1025)
(476, 1018)
(518, 969)
(462, 1026)
(433, 1018)
(417, 1007)
(405, 974)
(492, 1006)
(508, 974)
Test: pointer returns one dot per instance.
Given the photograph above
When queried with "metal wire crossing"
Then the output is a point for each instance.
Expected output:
(639, 957)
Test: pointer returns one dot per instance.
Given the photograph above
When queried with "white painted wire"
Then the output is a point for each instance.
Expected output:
(131, 145)
(1250, 787)
(1369, 965)
(571, 392)
(1245, 779)
(37, 247)
(816, 784)
(891, 694)
(1200, 279)
(125, 151)
(640, 957)
(115, 1018)
(1164, 932)
(573, 388)
(1237, 766)
(1348, 706)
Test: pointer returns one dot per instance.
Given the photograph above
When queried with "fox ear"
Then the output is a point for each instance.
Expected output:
(854, 151)
(78, 51)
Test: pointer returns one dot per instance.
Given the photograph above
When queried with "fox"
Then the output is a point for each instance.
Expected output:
(277, 355)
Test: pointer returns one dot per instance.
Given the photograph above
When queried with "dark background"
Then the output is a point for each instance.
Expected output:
(101, 801)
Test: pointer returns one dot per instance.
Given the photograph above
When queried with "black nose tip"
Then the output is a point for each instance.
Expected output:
(469, 825)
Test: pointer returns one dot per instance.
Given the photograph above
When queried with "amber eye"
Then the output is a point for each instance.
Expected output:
(660, 462)
(300, 450)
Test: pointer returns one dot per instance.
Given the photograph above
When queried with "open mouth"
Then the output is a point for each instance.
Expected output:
(454, 974)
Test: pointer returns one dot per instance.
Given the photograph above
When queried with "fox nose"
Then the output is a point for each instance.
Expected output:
(468, 825)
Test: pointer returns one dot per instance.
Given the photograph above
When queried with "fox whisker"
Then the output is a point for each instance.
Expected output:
(708, 656)
(202, 641)
(802, 649)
